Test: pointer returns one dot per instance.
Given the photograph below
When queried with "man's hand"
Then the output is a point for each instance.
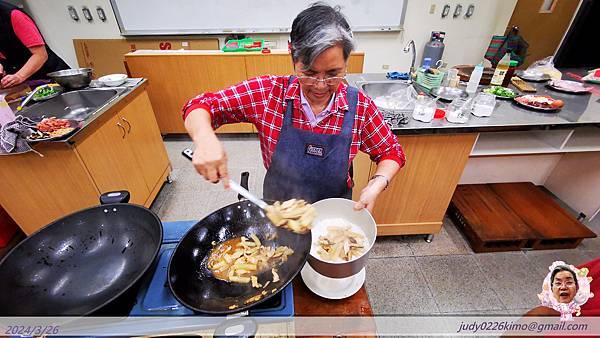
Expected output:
(12, 80)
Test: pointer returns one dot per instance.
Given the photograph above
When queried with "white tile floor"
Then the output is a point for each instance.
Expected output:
(405, 275)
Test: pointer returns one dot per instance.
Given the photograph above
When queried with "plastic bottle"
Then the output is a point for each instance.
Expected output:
(475, 78)
(501, 70)
(510, 72)
(426, 64)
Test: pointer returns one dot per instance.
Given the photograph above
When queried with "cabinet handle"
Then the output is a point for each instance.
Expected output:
(122, 128)
(128, 125)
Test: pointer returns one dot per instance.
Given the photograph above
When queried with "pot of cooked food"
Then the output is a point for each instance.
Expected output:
(341, 238)
(236, 257)
(86, 263)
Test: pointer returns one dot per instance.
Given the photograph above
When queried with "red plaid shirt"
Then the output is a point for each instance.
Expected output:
(262, 102)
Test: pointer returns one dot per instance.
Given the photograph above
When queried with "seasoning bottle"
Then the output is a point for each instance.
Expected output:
(501, 70)
(510, 72)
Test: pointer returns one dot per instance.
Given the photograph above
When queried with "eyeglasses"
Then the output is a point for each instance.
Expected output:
(568, 284)
(312, 81)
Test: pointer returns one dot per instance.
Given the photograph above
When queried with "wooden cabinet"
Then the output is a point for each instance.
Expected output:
(110, 160)
(175, 77)
(417, 198)
(126, 152)
(121, 150)
(143, 138)
(257, 65)
(107, 56)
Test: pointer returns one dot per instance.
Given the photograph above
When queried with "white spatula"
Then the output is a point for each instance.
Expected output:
(251, 197)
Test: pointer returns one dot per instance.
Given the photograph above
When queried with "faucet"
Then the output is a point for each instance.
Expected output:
(28, 98)
(410, 46)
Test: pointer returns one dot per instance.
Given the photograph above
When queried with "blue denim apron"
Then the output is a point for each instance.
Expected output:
(308, 165)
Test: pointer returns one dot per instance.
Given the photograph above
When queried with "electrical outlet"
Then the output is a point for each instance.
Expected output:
(385, 67)
(432, 9)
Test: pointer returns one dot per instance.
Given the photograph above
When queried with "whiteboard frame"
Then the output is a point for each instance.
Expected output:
(283, 30)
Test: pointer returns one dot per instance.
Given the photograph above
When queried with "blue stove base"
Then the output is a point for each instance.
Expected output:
(156, 299)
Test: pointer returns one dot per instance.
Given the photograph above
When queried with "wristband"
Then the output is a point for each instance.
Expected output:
(387, 182)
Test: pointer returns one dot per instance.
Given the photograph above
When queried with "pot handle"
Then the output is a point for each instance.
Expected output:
(242, 327)
(111, 197)
(244, 183)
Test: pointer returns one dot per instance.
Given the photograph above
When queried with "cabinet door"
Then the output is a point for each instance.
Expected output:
(111, 162)
(174, 79)
(144, 139)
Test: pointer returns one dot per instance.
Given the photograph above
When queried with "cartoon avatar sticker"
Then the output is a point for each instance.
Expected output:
(566, 289)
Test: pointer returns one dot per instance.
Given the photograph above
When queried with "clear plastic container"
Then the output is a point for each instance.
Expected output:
(484, 104)
(424, 109)
(458, 110)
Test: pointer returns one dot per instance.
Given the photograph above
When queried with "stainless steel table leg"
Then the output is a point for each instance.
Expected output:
(429, 238)
(169, 179)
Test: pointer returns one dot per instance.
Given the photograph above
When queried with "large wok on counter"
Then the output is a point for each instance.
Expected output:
(81, 264)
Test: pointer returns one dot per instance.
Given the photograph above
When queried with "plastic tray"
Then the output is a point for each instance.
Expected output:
(243, 45)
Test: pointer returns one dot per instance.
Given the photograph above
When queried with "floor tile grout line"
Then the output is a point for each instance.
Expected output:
(437, 306)
(489, 283)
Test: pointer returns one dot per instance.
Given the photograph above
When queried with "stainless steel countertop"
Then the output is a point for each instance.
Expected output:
(122, 91)
(579, 110)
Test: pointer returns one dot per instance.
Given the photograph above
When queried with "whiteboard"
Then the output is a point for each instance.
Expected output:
(182, 17)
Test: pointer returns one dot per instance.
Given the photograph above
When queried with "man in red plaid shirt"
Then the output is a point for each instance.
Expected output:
(310, 125)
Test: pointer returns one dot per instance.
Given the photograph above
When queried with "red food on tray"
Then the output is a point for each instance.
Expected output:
(538, 101)
(53, 124)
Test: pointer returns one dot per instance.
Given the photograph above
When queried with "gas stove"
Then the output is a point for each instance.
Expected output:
(154, 297)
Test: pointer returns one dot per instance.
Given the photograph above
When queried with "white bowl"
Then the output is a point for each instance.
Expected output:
(340, 208)
(113, 80)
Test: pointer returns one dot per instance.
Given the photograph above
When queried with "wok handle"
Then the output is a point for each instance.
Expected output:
(111, 197)
(244, 183)
(242, 327)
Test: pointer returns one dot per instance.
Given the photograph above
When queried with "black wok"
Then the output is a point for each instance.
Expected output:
(81, 262)
(193, 284)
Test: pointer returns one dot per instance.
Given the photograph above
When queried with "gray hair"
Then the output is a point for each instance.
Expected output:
(317, 28)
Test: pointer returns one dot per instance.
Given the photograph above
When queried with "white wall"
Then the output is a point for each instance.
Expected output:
(466, 39)
(59, 30)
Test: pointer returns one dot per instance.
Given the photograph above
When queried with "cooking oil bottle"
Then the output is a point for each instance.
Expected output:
(501, 70)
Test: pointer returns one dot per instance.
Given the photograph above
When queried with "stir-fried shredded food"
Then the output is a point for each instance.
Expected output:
(240, 260)
(295, 215)
(341, 244)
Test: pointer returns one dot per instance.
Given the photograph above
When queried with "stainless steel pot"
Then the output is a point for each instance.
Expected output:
(72, 78)
(334, 208)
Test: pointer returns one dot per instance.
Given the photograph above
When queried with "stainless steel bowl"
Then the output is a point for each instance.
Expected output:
(72, 78)
(449, 93)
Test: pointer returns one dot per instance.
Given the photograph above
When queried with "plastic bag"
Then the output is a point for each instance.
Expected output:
(402, 99)
(544, 66)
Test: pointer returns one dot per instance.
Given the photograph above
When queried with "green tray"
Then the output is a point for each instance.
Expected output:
(239, 45)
